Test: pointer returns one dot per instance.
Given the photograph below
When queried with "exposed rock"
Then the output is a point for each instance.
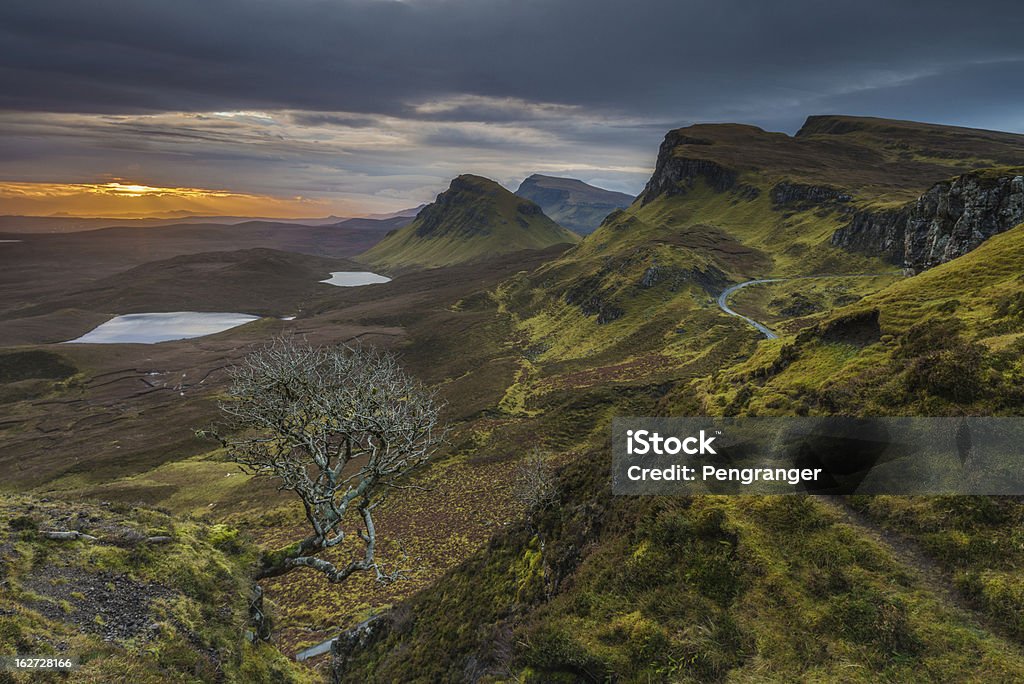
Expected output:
(860, 328)
(949, 220)
(66, 535)
(877, 233)
(592, 302)
(111, 605)
(650, 277)
(363, 635)
(674, 173)
(747, 192)
(803, 196)
(953, 218)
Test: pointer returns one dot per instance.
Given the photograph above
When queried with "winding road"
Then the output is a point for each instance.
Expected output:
(723, 304)
(723, 299)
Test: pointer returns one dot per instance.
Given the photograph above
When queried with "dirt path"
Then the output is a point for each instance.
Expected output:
(926, 571)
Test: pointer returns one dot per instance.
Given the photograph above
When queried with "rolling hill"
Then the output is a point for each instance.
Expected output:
(474, 218)
(572, 203)
(260, 281)
(597, 587)
(544, 348)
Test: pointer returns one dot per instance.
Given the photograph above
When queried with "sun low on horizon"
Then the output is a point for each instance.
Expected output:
(131, 199)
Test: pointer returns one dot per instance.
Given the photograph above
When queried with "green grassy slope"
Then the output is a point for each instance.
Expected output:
(949, 342)
(603, 588)
(130, 609)
(598, 587)
(474, 218)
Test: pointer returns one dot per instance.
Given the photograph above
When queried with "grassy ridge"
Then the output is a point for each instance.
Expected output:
(600, 588)
(473, 219)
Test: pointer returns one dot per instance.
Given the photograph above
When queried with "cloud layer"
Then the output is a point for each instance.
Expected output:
(378, 101)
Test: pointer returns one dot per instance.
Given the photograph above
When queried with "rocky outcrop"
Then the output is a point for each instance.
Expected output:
(876, 233)
(949, 220)
(802, 196)
(674, 173)
(362, 636)
(592, 300)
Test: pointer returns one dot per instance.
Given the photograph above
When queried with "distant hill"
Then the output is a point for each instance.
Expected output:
(572, 203)
(382, 224)
(401, 213)
(474, 218)
(78, 224)
(259, 280)
(47, 266)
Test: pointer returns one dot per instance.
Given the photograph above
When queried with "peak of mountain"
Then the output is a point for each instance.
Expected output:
(862, 157)
(474, 218)
(578, 206)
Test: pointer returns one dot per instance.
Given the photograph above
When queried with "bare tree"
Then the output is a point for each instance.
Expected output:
(533, 483)
(338, 426)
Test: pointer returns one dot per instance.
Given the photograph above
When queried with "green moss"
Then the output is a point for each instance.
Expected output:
(196, 590)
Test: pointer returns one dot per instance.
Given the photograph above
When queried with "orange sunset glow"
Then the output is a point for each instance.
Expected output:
(130, 199)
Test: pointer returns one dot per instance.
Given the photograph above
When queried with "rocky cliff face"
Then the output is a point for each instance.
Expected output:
(804, 196)
(674, 173)
(949, 220)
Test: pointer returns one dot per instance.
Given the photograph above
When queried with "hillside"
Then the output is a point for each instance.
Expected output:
(572, 203)
(262, 281)
(42, 268)
(139, 596)
(473, 219)
(953, 217)
(595, 587)
(541, 349)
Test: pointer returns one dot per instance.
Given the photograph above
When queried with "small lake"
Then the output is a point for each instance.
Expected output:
(150, 328)
(355, 278)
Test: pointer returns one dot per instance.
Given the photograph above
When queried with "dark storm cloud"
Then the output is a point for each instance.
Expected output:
(381, 102)
(706, 59)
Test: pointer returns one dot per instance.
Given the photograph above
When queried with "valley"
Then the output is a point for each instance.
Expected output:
(722, 290)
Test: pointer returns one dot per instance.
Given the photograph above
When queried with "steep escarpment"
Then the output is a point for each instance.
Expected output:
(831, 158)
(474, 218)
(948, 221)
(804, 196)
(680, 166)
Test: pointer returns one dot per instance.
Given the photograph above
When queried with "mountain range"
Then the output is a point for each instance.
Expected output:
(884, 256)
(475, 218)
(572, 203)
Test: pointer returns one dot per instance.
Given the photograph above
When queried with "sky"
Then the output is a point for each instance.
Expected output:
(347, 107)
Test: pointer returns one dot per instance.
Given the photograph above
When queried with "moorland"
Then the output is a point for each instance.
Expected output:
(535, 338)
